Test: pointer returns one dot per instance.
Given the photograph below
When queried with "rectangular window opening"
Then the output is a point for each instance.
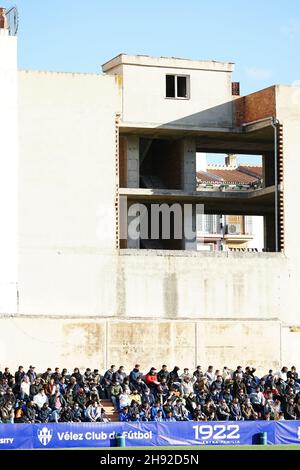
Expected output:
(177, 86)
(170, 86)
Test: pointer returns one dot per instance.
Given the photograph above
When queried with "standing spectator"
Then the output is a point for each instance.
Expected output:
(19, 375)
(7, 375)
(31, 374)
(210, 375)
(25, 388)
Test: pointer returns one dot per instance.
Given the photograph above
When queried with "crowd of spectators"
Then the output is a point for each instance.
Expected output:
(188, 395)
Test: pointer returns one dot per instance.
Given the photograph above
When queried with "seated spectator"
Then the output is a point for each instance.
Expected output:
(159, 416)
(163, 374)
(151, 379)
(179, 411)
(226, 375)
(186, 386)
(169, 417)
(44, 413)
(7, 413)
(116, 391)
(293, 374)
(120, 375)
(290, 410)
(235, 409)
(25, 388)
(209, 374)
(124, 414)
(209, 409)
(198, 374)
(247, 410)
(77, 413)
(174, 378)
(136, 397)
(222, 411)
(124, 400)
(46, 376)
(30, 412)
(93, 412)
(135, 374)
(40, 399)
(145, 412)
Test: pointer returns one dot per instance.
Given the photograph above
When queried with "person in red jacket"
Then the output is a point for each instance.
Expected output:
(151, 379)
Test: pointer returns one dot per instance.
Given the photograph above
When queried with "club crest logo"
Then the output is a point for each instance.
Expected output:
(45, 436)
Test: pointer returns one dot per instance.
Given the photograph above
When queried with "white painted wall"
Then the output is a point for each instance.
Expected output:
(257, 232)
(67, 189)
(8, 173)
(144, 89)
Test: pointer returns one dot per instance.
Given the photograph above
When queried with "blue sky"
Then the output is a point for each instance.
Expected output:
(261, 37)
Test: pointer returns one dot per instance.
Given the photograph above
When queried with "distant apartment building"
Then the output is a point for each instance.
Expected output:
(218, 232)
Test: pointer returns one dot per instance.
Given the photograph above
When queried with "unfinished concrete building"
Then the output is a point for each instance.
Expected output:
(72, 289)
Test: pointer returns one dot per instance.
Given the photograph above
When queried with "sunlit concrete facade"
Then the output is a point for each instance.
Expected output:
(85, 298)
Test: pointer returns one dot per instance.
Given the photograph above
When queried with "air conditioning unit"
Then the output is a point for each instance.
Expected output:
(233, 229)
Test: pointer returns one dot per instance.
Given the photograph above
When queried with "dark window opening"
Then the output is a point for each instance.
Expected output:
(182, 87)
(170, 86)
(177, 86)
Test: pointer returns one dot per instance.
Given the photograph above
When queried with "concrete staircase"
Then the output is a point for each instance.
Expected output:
(109, 410)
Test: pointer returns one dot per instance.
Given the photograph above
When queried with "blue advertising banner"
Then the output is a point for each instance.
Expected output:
(201, 433)
(287, 432)
(214, 433)
(92, 434)
(15, 436)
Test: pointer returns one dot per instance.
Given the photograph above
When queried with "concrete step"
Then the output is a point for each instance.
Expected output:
(109, 410)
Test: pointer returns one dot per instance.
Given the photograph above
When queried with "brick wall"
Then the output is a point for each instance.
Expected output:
(259, 105)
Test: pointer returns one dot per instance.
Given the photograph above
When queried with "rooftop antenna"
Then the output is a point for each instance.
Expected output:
(12, 17)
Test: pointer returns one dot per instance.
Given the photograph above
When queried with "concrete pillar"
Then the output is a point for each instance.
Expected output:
(189, 165)
(189, 185)
(269, 233)
(190, 222)
(8, 173)
(131, 242)
(133, 162)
